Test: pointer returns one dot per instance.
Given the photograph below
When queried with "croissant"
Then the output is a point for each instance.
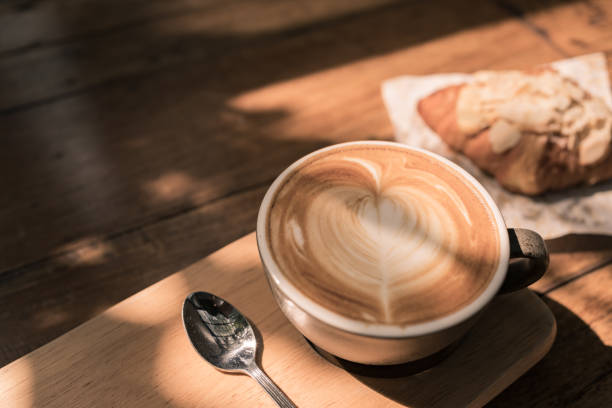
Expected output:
(534, 131)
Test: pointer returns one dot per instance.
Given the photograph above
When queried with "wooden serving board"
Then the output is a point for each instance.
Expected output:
(136, 354)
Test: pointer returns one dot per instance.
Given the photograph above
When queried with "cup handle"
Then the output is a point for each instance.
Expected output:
(528, 259)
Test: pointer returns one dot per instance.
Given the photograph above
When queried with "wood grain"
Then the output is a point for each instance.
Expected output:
(214, 32)
(118, 158)
(572, 256)
(573, 27)
(578, 368)
(42, 301)
(137, 354)
(137, 137)
(25, 26)
(210, 120)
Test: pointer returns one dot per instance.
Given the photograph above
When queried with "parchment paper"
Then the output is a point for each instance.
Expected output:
(576, 210)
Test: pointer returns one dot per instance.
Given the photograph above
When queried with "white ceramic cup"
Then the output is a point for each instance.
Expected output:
(384, 344)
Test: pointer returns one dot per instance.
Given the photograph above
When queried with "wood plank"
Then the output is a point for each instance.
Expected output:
(44, 74)
(84, 177)
(573, 255)
(25, 25)
(144, 179)
(33, 25)
(577, 370)
(137, 354)
(240, 108)
(119, 159)
(589, 298)
(575, 27)
(125, 154)
(40, 302)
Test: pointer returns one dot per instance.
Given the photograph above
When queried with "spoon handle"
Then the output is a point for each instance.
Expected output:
(277, 395)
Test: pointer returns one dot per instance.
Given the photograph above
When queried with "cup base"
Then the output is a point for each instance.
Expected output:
(387, 371)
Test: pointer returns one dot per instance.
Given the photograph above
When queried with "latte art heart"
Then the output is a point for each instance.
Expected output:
(383, 235)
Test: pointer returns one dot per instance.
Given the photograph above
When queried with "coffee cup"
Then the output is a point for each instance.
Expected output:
(380, 253)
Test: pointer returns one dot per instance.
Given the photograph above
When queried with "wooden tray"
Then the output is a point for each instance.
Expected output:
(136, 354)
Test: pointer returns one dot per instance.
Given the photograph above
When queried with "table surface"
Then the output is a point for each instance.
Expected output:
(138, 137)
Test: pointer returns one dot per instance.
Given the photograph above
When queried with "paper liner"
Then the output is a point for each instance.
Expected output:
(575, 210)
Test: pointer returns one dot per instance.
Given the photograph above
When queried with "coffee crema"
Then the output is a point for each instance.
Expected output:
(383, 234)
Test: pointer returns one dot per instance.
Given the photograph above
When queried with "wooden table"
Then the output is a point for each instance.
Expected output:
(138, 137)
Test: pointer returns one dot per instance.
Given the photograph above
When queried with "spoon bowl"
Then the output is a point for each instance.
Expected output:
(225, 338)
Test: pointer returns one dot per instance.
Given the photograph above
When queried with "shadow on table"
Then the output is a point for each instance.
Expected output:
(130, 125)
(568, 373)
(130, 129)
(561, 378)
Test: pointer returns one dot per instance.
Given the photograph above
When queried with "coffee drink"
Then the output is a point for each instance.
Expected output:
(382, 234)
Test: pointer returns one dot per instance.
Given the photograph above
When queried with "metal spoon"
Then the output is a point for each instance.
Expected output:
(225, 338)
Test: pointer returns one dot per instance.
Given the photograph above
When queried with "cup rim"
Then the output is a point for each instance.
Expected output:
(375, 329)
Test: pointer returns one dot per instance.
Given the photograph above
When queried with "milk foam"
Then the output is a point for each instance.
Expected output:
(382, 235)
